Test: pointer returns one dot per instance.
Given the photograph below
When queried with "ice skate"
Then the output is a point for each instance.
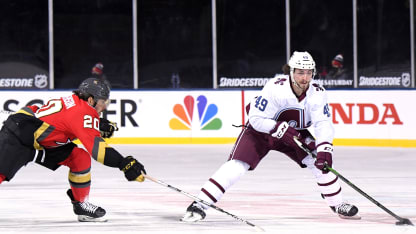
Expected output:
(86, 211)
(194, 213)
(346, 211)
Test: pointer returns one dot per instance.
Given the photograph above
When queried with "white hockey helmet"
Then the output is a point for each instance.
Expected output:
(301, 60)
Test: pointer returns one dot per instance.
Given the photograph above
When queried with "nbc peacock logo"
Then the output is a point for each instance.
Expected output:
(185, 120)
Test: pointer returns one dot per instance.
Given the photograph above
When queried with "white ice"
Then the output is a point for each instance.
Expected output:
(278, 196)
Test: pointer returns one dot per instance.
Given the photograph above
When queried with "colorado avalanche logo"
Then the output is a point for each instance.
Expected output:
(280, 81)
(184, 115)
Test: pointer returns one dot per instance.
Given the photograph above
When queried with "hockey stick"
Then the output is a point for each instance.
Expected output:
(402, 221)
(203, 202)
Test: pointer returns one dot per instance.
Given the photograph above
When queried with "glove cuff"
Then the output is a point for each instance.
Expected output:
(325, 147)
(279, 129)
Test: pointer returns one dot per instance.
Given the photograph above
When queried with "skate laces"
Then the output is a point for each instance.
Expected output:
(88, 207)
(344, 208)
(195, 207)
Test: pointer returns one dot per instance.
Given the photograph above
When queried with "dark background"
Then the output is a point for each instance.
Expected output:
(175, 38)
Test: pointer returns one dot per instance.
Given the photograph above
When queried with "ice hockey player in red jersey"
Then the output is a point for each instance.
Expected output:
(286, 106)
(45, 135)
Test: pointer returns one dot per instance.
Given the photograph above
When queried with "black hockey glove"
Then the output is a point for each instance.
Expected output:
(132, 169)
(107, 128)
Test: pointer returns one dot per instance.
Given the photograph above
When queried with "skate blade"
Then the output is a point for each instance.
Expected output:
(84, 218)
(355, 217)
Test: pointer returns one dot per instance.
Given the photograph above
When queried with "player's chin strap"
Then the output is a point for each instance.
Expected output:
(295, 83)
(402, 221)
(95, 102)
(293, 79)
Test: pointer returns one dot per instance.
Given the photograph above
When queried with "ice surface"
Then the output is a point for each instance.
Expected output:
(278, 196)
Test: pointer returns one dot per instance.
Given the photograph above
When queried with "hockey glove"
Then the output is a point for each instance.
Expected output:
(107, 128)
(324, 156)
(132, 169)
(285, 133)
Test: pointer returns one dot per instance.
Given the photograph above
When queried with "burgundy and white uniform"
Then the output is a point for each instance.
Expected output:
(277, 102)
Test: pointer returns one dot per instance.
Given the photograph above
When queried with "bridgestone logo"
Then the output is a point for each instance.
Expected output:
(404, 80)
(380, 81)
(16, 82)
(243, 82)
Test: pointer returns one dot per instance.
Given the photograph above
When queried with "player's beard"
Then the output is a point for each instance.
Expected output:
(301, 85)
(304, 86)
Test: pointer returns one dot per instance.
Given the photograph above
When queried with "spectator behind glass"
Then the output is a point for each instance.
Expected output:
(337, 71)
(98, 72)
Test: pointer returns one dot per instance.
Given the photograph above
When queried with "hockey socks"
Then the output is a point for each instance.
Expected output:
(331, 191)
(229, 173)
(212, 191)
(328, 183)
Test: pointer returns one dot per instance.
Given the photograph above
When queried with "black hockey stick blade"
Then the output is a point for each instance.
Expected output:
(402, 221)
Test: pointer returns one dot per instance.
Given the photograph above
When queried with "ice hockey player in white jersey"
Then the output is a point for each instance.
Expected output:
(286, 106)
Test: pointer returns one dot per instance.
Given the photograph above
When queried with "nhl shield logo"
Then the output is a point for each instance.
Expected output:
(406, 79)
(41, 81)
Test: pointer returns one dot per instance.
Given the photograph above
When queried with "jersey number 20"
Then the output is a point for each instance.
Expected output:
(90, 122)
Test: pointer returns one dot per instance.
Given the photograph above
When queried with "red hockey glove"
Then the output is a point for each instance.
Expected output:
(324, 156)
(285, 133)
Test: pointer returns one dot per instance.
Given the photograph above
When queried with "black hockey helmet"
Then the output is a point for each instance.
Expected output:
(97, 88)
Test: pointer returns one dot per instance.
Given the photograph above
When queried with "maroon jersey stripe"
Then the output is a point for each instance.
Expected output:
(329, 183)
(209, 195)
(332, 194)
(217, 184)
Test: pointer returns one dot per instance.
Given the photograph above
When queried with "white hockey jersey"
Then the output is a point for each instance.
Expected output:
(278, 102)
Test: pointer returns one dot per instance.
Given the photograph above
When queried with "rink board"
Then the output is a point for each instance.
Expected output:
(361, 117)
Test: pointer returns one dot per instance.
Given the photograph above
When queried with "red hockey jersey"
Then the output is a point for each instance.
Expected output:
(70, 118)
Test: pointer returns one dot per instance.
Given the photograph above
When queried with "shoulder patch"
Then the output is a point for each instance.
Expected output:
(318, 87)
(68, 102)
(280, 81)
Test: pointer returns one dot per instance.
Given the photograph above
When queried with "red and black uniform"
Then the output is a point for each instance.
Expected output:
(45, 135)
